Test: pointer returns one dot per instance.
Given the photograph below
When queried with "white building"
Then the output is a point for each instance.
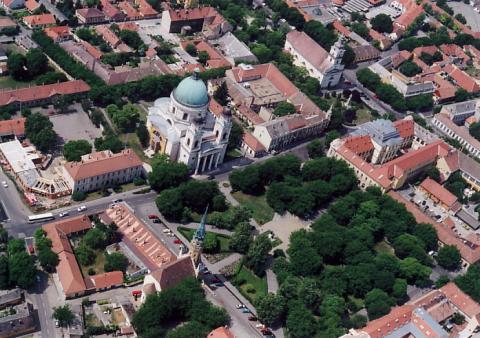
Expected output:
(326, 67)
(103, 169)
(183, 127)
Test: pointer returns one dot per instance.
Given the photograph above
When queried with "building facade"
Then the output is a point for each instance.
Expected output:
(183, 127)
(325, 66)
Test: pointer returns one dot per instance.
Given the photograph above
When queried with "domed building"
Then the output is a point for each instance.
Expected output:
(183, 127)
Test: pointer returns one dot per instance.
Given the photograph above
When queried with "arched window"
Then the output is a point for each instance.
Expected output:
(216, 134)
(224, 136)
(188, 141)
(185, 116)
(196, 144)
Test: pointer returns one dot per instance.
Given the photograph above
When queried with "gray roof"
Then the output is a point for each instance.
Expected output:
(412, 329)
(420, 88)
(461, 107)
(382, 131)
(467, 215)
(10, 296)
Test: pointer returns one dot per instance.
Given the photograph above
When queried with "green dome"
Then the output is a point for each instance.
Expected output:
(191, 91)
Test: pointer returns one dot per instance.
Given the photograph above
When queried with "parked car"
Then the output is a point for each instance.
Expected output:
(245, 310)
(63, 214)
(216, 280)
(57, 324)
(240, 306)
(81, 208)
(118, 200)
(260, 326)
(266, 332)
(152, 216)
(177, 241)
(156, 220)
(166, 230)
(4, 183)
(252, 318)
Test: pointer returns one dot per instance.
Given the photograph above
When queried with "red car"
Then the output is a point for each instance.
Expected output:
(152, 216)
(216, 280)
(266, 332)
(177, 241)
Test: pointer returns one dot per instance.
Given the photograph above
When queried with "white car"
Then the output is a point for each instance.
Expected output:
(57, 324)
(167, 231)
(239, 306)
(81, 208)
(63, 214)
(4, 183)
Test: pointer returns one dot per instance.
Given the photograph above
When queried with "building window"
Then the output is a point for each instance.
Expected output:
(196, 144)
(224, 136)
(188, 141)
(185, 116)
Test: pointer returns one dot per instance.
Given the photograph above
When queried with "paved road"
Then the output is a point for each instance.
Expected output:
(54, 10)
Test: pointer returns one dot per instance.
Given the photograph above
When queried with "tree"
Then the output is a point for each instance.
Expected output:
(36, 62)
(382, 23)
(39, 130)
(74, 149)
(64, 315)
(427, 234)
(3, 235)
(48, 259)
(475, 130)
(449, 257)
(221, 94)
(166, 174)
(399, 290)
(241, 238)
(125, 118)
(408, 68)
(284, 108)
(142, 134)
(247, 180)
(236, 136)
(360, 28)
(414, 272)
(4, 273)
(203, 57)
(368, 78)
(115, 262)
(192, 329)
(348, 57)
(461, 18)
(22, 269)
(270, 308)
(16, 66)
(330, 136)
(441, 281)
(95, 238)
(109, 142)
(170, 203)
(50, 77)
(257, 254)
(191, 49)
(262, 52)
(79, 196)
(85, 255)
(315, 148)
(378, 303)
(131, 38)
(16, 246)
(300, 321)
(461, 95)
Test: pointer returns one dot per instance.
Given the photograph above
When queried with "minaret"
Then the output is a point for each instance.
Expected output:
(196, 245)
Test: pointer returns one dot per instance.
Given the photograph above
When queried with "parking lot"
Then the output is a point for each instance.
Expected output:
(472, 17)
(75, 126)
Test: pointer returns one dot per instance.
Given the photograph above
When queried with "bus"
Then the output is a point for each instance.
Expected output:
(40, 218)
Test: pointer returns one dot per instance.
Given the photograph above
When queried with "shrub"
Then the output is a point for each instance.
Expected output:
(79, 196)
(137, 181)
(91, 272)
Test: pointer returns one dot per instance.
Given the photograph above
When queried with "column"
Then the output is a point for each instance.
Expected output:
(198, 164)
(204, 163)
(210, 162)
(217, 160)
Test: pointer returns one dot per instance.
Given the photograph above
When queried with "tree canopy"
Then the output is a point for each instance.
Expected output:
(74, 149)
(382, 23)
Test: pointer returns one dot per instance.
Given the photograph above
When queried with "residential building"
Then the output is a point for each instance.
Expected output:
(221, 332)
(365, 53)
(446, 126)
(462, 79)
(32, 5)
(58, 33)
(102, 169)
(39, 21)
(234, 50)
(183, 127)
(112, 13)
(215, 58)
(14, 128)
(12, 4)
(459, 112)
(202, 19)
(7, 23)
(20, 321)
(71, 279)
(131, 12)
(10, 297)
(145, 9)
(90, 16)
(39, 95)
(251, 147)
(440, 195)
(325, 66)
(108, 35)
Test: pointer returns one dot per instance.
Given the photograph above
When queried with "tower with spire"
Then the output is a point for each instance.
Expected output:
(196, 244)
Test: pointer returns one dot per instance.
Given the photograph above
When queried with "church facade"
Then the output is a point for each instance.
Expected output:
(182, 127)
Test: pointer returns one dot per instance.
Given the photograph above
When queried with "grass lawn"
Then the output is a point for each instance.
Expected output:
(363, 115)
(223, 240)
(261, 211)
(92, 320)
(384, 247)
(97, 264)
(232, 154)
(251, 286)
(134, 143)
(9, 82)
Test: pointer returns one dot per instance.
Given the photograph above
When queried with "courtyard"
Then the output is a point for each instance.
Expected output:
(75, 126)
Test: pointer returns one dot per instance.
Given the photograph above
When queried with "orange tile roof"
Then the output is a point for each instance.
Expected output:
(42, 19)
(252, 142)
(42, 92)
(107, 279)
(396, 318)
(145, 8)
(111, 11)
(7, 22)
(221, 332)
(92, 50)
(90, 13)
(102, 162)
(108, 35)
(215, 107)
(440, 193)
(425, 49)
(454, 50)
(32, 5)
(139, 239)
(250, 115)
(70, 275)
(359, 144)
(308, 48)
(407, 18)
(216, 60)
(461, 300)
(405, 127)
(462, 79)
(57, 32)
(131, 26)
(129, 10)
(14, 126)
(341, 28)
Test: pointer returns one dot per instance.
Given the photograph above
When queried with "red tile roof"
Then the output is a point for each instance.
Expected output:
(108, 35)
(92, 50)
(407, 18)
(146, 9)
(111, 11)
(14, 126)
(252, 142)
(308, 48)
(359, 144)
(462, 79)
(440, 193)
(57, 32)
(129, 10)
(405, 127)
(42, 19)
(461, 300)
(90, 13)
(398, 317)
(102, 162)
(172, 273)
(221, 332)
(130, 26)
(215, 107)
(32, 5)
(7, 22)
(107, 279)
(341, 28)
(25, 95)
(216, 60)
(454, 50)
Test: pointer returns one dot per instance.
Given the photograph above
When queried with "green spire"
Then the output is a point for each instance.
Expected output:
(200, 233)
